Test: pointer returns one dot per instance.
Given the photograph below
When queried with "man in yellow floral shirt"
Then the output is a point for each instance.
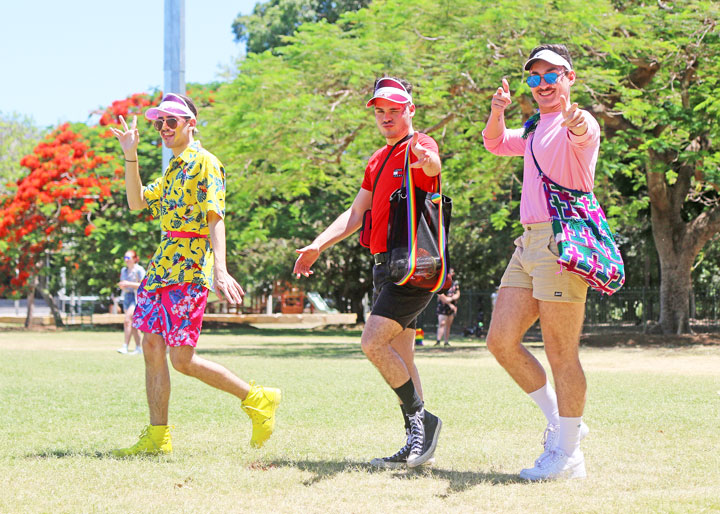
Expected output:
(189, 199)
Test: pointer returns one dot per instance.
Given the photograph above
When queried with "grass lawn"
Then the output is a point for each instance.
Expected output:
(68, 398)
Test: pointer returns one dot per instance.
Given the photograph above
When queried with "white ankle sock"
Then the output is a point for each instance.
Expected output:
(569, 434)
(546, 399)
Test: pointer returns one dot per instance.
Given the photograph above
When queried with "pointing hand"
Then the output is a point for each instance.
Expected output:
(422, 153)
(501, 99)
(573, 118)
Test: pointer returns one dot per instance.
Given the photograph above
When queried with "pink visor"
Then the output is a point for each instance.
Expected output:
(390, 89)
(172, 105)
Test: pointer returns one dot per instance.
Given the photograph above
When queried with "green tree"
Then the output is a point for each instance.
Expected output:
(294, 124)
(271, 21)
(18, 136)
(660, 120)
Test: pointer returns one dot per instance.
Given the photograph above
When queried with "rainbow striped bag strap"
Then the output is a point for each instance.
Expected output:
(412, 221)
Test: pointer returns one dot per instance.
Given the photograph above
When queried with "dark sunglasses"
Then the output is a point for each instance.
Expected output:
(172, 123)
(127, 258)
(534, 80)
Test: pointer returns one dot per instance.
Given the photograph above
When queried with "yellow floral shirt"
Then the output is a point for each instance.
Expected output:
(193, 185)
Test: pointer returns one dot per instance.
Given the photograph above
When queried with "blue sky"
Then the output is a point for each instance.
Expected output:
(62, 60)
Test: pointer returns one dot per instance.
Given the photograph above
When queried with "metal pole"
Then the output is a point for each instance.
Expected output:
(174, 61)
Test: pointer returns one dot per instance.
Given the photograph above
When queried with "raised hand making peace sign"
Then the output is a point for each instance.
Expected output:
(128, 137)
(573, 118)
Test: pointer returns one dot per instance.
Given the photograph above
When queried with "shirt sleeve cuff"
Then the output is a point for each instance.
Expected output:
(492, 143)
(592, 132)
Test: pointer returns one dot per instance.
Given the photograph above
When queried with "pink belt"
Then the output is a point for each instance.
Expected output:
(176, 233)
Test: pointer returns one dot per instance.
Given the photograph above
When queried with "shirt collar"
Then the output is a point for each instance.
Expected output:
(190, 152)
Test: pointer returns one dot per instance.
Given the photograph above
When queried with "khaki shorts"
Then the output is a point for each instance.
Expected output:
(534, 266)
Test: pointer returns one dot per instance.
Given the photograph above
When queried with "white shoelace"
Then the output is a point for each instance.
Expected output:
(417, 432)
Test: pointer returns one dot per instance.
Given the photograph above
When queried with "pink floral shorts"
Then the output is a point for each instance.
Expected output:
(175, 312)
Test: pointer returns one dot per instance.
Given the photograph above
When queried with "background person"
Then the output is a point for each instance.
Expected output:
(565, 141)
(447, 310)
(130, 277)
(389, 334)
(189, 199)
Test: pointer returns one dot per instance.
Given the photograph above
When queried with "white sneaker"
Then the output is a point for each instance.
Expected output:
(122, 349)
(552, 435)
(556, 464)
(138, 350)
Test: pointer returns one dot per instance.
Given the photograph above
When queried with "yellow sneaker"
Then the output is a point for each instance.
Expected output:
(260, 405)
(154, 440)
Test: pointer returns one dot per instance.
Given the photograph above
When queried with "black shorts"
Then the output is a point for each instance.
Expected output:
(398, 303)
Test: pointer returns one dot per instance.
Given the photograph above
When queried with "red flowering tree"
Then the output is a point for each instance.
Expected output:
(67, 182)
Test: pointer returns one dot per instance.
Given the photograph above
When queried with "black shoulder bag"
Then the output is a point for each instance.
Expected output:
(418, 232)
(366, 228)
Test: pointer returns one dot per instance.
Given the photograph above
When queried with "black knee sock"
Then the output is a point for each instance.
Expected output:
(405, 417)
(409, 397)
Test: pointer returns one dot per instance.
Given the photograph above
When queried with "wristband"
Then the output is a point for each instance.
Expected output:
(128, 160)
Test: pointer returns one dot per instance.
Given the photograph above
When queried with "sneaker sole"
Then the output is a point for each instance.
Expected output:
(381, 464)
(422, 459)
(576, 472)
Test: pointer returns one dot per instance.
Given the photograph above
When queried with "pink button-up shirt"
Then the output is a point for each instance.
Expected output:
(565, 158)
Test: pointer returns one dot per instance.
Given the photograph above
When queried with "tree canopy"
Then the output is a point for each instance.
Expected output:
(272, 21)
(294, 126)
(18, 136)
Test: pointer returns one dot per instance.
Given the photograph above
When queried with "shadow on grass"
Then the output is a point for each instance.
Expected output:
(69, 453)
(66, 453)
(315, 350)
(458, 481)
(291, 350)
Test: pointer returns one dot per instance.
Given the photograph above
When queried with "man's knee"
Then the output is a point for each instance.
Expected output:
(369, 344)
(153, 343)
(182, 362)
(495, 344)
(563, 359)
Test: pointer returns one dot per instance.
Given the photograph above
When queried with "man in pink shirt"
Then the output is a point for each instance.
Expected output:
(565, 141)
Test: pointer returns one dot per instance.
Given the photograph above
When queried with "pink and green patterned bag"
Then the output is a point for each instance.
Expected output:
(585, 242)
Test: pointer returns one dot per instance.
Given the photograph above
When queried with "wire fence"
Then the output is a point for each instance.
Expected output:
(628, 309)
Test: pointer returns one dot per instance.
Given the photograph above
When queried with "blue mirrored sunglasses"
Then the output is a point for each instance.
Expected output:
(550, 78)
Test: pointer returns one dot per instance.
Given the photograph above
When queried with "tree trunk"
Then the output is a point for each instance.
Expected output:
(31, 302)
(357, 306)
(53, 307)
(675, 286)
(678, 242)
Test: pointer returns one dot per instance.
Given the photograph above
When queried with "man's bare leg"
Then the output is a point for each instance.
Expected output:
(515, 312)
(186, 361)
(157, 378)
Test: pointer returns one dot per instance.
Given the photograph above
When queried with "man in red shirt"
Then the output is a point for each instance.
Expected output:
(389, 334)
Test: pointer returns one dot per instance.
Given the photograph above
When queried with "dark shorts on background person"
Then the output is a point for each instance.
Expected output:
(402, 304)
(175, 312)
(128, 301)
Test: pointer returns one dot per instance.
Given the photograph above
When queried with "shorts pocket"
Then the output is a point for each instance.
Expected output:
(553, 247)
